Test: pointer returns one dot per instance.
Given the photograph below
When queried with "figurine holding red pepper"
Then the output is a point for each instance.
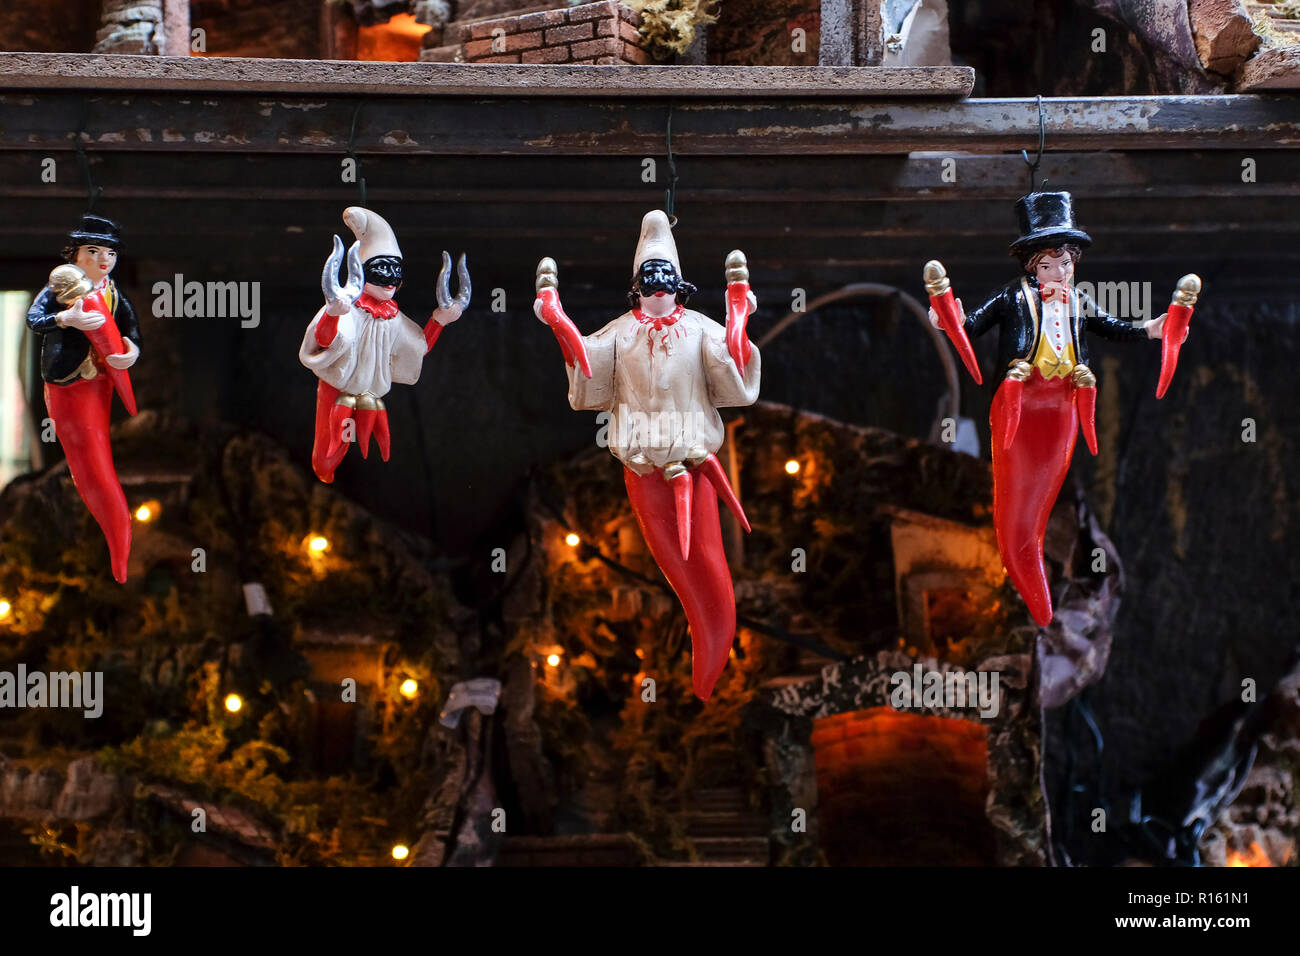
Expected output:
(1048, 392)
(89, 338)
(662, 371)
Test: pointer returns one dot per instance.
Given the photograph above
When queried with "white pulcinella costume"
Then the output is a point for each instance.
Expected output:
(662, 381)
(370, 351)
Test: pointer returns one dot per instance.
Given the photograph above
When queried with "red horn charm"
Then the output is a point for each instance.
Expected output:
(1175, 330)
(661, 371)
(939, 288)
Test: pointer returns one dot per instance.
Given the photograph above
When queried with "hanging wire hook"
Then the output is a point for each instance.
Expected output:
(92, 191)
(670, 194)
(1042, 138)
(352, 154)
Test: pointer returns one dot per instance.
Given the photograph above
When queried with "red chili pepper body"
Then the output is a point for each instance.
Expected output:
(1028, 472)
(945, 306)
(737, 318)
(566, 333)
(701, 581)
(1171, 343)
(80, 412)
(107, 340)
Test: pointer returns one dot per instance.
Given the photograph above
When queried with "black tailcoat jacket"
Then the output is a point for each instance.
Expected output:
(1019, 317)
(64, 349)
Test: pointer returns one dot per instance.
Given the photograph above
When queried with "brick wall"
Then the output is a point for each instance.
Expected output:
(895, 788)
(594, 33)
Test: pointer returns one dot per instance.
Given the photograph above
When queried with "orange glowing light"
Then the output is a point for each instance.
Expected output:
(143, 513)
(5, 609)
(792, 467)
(553, 660)
(401, 851)
(572, 540)
(233, 703)
(317, 544)
(1255, 856)
(409, 688)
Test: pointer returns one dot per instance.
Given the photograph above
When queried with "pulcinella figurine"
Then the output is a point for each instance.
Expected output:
(360, 342)
(1048, 392)
(89, 339)
(662, 371)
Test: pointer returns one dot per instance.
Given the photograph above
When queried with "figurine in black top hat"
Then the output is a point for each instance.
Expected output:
(89, 338)
(1047, 391)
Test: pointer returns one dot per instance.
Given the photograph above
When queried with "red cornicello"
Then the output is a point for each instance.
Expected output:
(662, 371)
(1047, 393)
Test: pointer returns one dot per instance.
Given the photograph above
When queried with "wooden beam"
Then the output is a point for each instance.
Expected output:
(350, 78)
(549, 126)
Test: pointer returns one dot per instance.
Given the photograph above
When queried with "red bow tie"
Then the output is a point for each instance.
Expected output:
(658, 323)
(379, 308)
(1052, 293)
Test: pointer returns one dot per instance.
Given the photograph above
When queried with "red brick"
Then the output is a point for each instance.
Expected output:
(485, 28)
(634, 54)
(606, 46)
(507, 58)
(539, 21)
(477, 49)
(524, 41)
(628, 14)
(547, 54)
(567, 34)
(593, 11)
(629, 32)
(606, 27)
(607, 61)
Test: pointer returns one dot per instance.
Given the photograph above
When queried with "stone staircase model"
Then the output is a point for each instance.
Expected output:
(725, 830)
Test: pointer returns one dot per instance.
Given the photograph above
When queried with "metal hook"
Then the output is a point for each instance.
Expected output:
(1042, 138)
(670, 194)
(92, 191)
(352, 154)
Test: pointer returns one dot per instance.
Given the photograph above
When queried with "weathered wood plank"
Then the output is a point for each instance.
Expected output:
(351, 77)
(466, 125)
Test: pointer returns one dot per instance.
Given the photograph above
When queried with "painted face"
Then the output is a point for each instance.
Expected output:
(1054, 268)
(95, 261)
(657, 284)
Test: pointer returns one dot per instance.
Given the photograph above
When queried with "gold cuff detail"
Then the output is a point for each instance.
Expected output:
(1019, 370)
(1082, 377)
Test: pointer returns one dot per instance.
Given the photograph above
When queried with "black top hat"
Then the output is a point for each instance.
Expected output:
(96, 230)
(1046, 222)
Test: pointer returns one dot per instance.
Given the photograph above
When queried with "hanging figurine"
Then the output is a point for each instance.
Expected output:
(89, 338)
(1048, 391)
(360, 342)
(662, 371)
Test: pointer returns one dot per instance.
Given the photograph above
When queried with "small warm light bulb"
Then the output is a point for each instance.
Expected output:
(553, 660)
(401, 851)
(792, 467)
(572, 540)
(5, 609)
(234, 702)
(143, 513)
(409, 688)
(317, 544)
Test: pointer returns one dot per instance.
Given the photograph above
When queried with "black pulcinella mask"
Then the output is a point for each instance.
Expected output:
(659, 275)
(383, 270)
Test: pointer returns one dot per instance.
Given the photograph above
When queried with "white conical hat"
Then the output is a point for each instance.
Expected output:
(373, 230)
(656, 241)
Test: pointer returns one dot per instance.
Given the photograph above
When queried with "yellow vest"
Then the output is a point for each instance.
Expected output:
(1045, 359)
